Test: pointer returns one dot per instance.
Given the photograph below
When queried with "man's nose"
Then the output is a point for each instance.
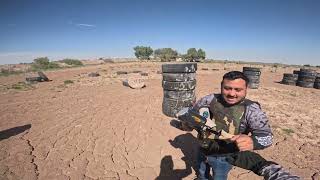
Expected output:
(232, 92)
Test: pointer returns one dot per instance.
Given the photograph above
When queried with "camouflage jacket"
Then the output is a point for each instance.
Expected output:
(276, 172)
(255, 122)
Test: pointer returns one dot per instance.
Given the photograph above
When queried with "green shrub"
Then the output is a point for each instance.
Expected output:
(21, 86)
(7, 72)
(43, 63)
(288, 131)
(68, 82)
(72, 62)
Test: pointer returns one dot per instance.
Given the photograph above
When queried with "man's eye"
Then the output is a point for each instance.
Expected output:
(238, 90)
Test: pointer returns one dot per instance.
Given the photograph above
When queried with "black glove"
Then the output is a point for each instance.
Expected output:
(248, 160)
(216, 146)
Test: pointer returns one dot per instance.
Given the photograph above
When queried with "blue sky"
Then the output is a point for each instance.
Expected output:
(284, 31)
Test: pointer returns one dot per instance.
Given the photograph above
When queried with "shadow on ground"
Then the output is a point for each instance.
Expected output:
(189, 147)
(5, 134)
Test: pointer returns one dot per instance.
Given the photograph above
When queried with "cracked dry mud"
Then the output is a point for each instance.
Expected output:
(96, 128)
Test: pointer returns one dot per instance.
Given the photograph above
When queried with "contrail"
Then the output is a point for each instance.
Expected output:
(86, 25)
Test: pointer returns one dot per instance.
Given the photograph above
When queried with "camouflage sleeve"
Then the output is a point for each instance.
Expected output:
(203, 102)
(276, 172)
(260, 166)
(257, 124)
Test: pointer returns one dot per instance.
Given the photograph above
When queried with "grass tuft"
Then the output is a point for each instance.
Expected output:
(68, 82)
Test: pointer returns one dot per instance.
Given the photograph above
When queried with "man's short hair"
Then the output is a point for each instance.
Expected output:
(232, 75)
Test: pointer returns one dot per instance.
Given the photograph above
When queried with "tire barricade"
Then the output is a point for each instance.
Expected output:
(317, 82)
(306, 78)
(289, 79)
(253, 75)
(179, 83)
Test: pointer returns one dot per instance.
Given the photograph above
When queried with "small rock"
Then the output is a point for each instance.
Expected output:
(121, 72)
(144, 74)
(134, 83)
(93, 74)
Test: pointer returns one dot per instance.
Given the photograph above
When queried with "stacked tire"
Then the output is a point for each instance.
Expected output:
(289, 79)
(317, 82)
(297, 72)
(253, 75)
(179, 83)
(306, 78)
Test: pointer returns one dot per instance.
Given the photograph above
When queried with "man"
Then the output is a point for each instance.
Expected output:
(233, 113)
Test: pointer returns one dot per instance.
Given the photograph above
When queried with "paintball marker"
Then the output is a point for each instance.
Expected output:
(201, 124)
(207, 131)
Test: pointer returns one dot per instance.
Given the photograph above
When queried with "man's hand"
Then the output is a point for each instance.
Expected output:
(244, 142)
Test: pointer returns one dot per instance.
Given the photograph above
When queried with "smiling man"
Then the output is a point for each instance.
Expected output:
(235, 114)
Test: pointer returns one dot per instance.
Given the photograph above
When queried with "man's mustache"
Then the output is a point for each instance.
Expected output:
(231, 96)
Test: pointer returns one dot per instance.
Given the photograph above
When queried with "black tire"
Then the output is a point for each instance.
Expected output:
(33, 79)
(302, 74)
(287, 82)
(289, 79)
(121, 72)
(253, 85)
(317, 80)
(179, 94)
(307, 72)
(307, 78)
(179, 86)
(296, 72)
(251, 73)
(290, 75)
(43, 76)
(305, 84)
(178, 77)
(179, 68)
(255, 81)
(251, 69)
(253, 77)
(170, 107)
(317, 85)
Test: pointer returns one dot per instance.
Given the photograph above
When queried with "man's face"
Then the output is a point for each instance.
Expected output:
(233, 91)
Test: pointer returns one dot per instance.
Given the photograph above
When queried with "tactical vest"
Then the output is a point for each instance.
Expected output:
(226, 118)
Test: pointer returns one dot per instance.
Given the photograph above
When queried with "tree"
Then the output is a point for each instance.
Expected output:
(143, 52)
(43, 63)
(193, 55)
(201, 54)
(166, 54)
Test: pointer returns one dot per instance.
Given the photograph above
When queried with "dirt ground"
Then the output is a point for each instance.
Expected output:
(80, 127)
